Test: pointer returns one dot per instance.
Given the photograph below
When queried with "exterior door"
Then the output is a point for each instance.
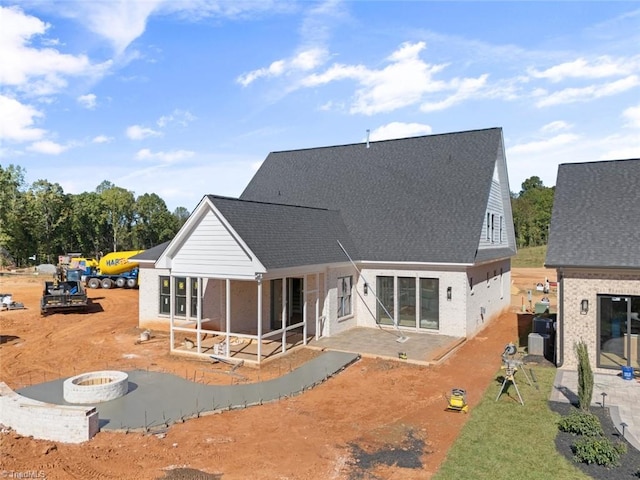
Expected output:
(619, 331)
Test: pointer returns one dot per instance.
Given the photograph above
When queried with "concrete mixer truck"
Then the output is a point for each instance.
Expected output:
(112, 270)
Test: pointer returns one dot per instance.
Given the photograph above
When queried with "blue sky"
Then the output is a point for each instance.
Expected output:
(185, 98)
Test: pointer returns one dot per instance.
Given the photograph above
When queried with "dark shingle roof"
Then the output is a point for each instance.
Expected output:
(287, 236)
(596, 215)
(150, 255)
(420, 199)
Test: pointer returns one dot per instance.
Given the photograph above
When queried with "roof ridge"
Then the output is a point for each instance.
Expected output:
(222, 197)
(388, 140)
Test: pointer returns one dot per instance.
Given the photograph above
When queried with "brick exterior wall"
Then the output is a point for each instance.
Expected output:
(578, 285)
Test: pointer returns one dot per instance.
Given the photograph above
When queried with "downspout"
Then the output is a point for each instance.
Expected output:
(560, 321)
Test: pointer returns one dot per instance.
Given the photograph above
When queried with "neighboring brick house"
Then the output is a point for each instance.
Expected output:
(426, 222)
(594, 245)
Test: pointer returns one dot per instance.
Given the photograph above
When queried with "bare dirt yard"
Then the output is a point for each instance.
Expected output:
(378, 419)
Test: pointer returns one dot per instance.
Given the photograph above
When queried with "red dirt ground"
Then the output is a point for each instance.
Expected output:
(372, 406)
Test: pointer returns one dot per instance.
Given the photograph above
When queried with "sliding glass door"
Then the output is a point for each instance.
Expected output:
(619, 331)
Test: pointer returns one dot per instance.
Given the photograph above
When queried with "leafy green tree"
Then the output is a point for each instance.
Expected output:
(532, 212)
(90, 230)
(154, 224)
(50, 210)
(181, 214)
(119, 209)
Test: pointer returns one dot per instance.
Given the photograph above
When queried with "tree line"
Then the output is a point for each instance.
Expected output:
(40, 221)
(531, 209)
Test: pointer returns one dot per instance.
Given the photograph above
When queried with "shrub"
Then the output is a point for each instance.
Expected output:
(585, 377)
(598, 450)
(581, 423)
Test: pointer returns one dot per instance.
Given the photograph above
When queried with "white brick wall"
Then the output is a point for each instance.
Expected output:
(46, 421)
(490, 297)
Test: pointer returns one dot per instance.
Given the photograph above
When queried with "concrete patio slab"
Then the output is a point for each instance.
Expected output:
(156, 400)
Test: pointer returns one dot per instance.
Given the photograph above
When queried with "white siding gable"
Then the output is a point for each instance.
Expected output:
(213, 249)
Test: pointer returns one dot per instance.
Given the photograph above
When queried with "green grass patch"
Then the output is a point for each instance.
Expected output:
(506, 440)
(530, 257)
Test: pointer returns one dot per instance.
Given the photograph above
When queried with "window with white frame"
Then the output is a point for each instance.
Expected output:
(182, 296)
(344, 296)
(501, 228)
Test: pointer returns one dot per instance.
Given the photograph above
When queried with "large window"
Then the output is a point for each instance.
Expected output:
(165, 295)
(418, 301)
(430, 303)
(182, 297)
(344, 296)
(386, 292)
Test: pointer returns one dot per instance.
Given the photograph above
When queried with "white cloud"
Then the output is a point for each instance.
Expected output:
(601, 67)
(102, 139)
(47, 147)
(555, 126)
(591, 92)
(180, 117)
(465, 88)
(632, 115)
(87, 101)
(118, 21)
(137, 132)
(17, 121)
(399, 130)
(31, 70)
(539, 146)
(302, 62)
(165, 157)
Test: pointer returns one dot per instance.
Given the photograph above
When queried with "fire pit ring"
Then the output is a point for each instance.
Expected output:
(95, 387)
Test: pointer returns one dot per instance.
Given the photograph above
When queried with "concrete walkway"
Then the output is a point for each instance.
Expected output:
(622, 399)
(156, 400)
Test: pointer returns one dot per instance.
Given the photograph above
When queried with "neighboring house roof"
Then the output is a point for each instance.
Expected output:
(596, 216)
(284, 236)
(420, 199)
(150, 255)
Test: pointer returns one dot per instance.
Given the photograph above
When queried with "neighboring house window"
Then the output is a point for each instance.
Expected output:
(493, 228)
(488, 226)
(165, 295)
(344, 296)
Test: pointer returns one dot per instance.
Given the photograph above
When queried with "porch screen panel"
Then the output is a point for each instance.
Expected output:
(276, 303)
(429, 303)
(385, 293)
(407, 301)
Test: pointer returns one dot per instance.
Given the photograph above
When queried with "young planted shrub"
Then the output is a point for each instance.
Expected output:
(581, 423)
(598, 450)
(585, 376)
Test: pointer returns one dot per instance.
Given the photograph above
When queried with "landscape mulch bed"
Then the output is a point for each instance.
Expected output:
(629, 463)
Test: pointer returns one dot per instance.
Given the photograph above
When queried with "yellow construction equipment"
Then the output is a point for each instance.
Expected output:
(458, 400)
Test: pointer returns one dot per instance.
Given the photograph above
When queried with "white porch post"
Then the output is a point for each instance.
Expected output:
(284, 314)
(228, 314)
(317, 306)
(259, 330)
(304, 310)
(171, 310)
(199, 312)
